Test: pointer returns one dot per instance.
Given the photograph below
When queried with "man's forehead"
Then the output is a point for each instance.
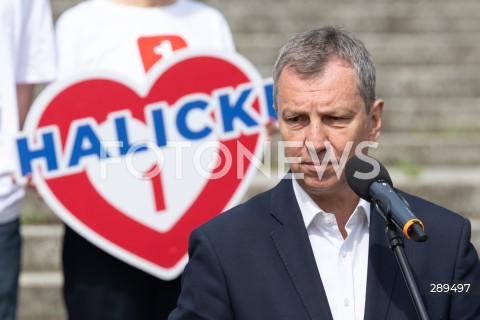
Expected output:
(336, 76)
(309, 70)
(297, 92)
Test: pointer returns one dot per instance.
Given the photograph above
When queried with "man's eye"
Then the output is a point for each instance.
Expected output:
(334, 119)
(297, 119)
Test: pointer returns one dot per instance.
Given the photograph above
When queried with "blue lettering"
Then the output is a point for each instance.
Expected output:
(182, 121)
(85, 133)
(269, 97)
(122, 135)
(232, 111)
(47, 152)
(159, 125)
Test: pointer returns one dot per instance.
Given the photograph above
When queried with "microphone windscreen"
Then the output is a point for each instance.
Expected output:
(360, 184)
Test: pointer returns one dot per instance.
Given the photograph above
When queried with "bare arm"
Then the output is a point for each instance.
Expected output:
(24, 97)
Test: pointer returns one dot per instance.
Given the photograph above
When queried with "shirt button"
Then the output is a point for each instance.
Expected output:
(346, 302)
(344, 254)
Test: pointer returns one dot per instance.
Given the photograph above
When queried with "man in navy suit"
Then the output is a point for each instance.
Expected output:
(310, 248)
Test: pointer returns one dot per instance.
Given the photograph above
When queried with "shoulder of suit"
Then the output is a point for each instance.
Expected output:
(246, 213)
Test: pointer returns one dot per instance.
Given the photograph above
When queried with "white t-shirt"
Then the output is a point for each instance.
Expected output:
(101, 35)
(27, 55)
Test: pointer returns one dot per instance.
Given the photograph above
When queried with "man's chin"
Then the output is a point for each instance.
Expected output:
(314, 184)
(319, 173)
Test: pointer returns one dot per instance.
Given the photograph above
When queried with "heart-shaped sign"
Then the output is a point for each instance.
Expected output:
(135, 168)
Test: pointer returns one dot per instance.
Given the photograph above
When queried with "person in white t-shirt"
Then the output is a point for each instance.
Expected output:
(125, 37)
(27, 57)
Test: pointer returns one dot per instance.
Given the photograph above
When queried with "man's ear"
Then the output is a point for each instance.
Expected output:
(375, 116)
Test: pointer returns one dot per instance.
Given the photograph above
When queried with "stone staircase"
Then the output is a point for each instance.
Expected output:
(428, 59)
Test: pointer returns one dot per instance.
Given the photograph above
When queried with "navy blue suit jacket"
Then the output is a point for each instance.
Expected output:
(255, 261)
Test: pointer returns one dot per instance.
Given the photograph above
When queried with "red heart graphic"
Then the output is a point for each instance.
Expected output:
(160, 253)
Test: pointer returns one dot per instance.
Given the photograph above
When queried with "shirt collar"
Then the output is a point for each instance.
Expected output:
(310, 209)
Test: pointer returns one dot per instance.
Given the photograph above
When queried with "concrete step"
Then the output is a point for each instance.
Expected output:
(424, 149)
(40, 296)
(422, 48)
(445, 115)
(298, 21)
(431, 16)
(429, 81)
(41, 248)
(350, 9)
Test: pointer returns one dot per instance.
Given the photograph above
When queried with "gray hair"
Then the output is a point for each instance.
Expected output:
(308, 53)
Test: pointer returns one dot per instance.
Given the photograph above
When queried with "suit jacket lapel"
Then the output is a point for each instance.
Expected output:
(383, 270)
(293, 245)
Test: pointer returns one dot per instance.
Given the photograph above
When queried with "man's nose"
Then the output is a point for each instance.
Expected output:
(316, 137)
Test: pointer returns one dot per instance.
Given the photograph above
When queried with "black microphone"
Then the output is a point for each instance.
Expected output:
(369, 179)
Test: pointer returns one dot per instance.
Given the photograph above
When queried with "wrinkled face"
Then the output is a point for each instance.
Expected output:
(321, 117)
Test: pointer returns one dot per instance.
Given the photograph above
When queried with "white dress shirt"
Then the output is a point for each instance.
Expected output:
(342, 263)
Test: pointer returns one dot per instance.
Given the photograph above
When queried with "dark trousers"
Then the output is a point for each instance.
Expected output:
(10, 257)
(99, 286)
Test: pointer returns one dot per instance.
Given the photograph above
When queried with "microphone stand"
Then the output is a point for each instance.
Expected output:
(395, 242)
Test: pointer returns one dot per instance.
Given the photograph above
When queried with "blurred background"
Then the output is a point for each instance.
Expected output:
(427, 55)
